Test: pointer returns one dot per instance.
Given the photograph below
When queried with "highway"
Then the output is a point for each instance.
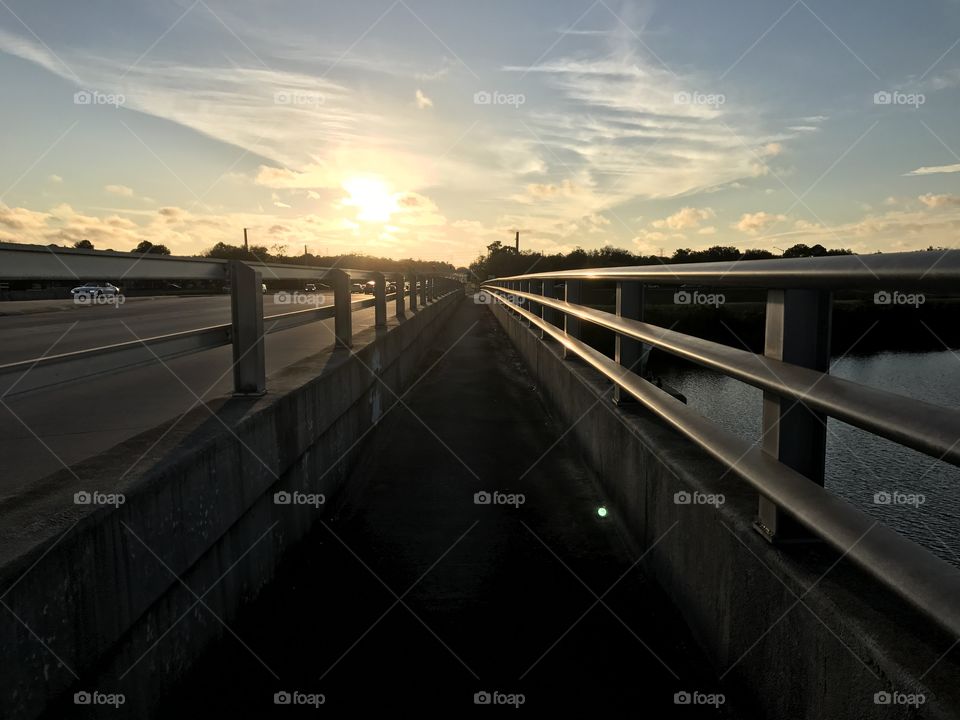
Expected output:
(43, 430)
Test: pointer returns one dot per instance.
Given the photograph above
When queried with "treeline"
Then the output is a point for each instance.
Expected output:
(357, 261)
(503, 260)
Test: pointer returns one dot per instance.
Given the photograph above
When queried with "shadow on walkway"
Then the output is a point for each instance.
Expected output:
(411, 595)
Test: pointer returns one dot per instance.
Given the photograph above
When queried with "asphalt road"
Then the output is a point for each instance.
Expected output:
(66, 327)
(44, 430)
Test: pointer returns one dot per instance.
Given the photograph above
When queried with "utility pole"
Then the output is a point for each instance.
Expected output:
(246, 247)
(304, 249)
(517, 243)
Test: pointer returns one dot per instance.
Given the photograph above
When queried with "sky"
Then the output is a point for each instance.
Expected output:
(432, 128)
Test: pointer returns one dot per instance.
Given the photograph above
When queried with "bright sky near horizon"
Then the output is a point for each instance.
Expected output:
(430, 128)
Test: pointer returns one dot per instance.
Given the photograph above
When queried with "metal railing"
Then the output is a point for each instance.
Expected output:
(245, 332)
(787, 467)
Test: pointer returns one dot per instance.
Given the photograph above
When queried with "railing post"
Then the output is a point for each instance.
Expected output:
(423, 291)
(629, 352)
(523, 286)
(246, 316)
(400, 294)
(379, 300)
(413, 291)
(797, 332)
(548, 289)
(572, 325)
(343, 311)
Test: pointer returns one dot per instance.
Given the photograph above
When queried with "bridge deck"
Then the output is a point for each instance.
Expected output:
(411, 595)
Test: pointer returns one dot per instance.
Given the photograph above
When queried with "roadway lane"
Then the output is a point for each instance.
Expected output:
(80, 327)
(43, 430)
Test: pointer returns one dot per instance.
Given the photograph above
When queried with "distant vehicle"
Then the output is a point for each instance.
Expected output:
(356, 288)
(391, 287)
(310, 287)
(263, 287)
(370, 287)
(93, 290)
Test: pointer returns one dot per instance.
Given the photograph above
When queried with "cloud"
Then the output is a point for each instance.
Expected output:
(938, 201)
(935, 170)
(55, 179)
(685, 218)
(753, 223)
(423, 102)
(121, 190)
(772, 149)
(541, 191)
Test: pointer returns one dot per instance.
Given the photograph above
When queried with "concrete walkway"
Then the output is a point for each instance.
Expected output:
(411, 596)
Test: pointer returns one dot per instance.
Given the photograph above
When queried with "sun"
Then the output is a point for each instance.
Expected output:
(372, 198)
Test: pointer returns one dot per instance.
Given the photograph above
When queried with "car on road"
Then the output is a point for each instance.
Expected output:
(356, 287)
(370, 287)
(391, 288)
(94, 290)
(310, 288)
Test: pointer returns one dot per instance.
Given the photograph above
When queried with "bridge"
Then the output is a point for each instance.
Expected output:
(449, 497)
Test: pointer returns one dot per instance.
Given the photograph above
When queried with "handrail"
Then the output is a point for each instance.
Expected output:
(916, 270)
(931, 429)
(245, 331)
(786, 467)
(918, 576)
(50, 370)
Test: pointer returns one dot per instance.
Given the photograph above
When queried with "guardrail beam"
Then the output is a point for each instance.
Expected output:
(246, 313)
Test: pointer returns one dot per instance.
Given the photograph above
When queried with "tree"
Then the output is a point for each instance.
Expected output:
(146, 246)
(83, 245)
(797, 251)
(757, 254)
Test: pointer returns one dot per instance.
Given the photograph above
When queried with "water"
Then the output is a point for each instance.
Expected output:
(860, 465)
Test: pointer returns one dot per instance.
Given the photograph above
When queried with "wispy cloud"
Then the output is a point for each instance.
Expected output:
(935, 170)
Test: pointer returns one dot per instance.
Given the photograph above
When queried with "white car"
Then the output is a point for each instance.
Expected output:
(94, 290)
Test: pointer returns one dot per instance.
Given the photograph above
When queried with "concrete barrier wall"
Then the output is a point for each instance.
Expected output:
(124, 600)
(796, 630)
